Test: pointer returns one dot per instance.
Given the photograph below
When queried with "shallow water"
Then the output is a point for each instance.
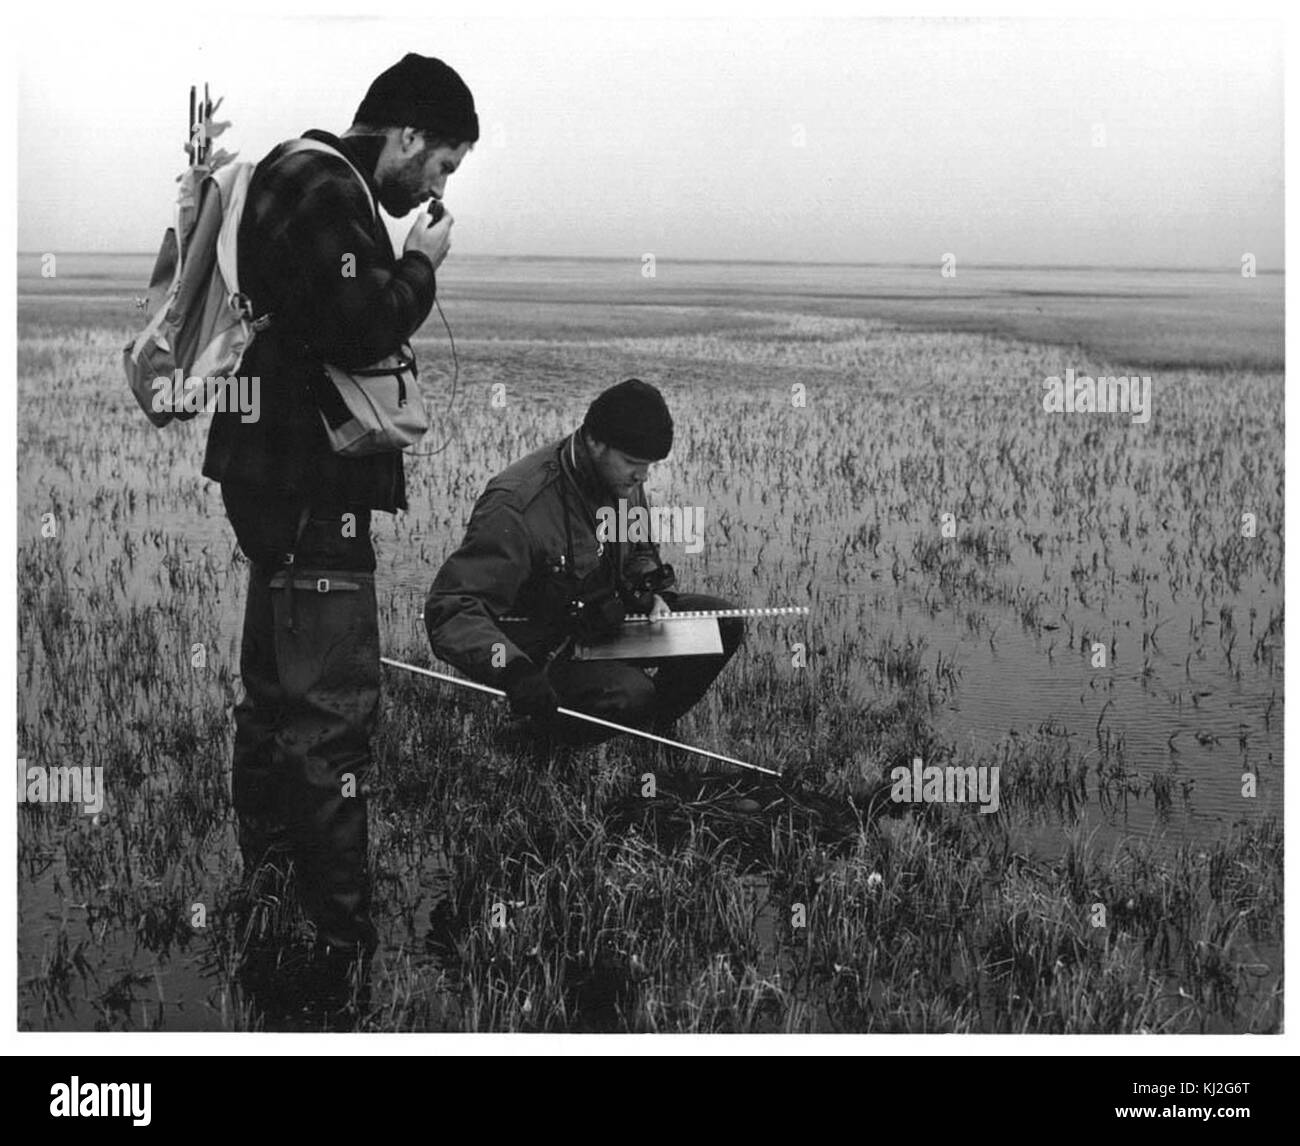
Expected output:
(839, 514)
(1180, 704)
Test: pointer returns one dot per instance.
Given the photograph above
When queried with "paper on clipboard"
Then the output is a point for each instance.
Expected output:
(693, 637)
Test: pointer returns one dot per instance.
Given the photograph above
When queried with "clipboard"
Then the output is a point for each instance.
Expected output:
(686, 637)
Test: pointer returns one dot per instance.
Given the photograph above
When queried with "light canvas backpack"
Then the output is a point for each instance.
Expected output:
(201, 325)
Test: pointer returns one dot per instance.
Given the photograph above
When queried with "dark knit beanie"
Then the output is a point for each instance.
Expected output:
(425, 93)
(632, 417)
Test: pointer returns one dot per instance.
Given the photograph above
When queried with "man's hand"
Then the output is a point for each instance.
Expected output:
(528, 690)
(659, 609)
(433, 241)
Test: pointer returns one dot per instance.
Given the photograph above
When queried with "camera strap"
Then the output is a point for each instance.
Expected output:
(568, 526)
(571, 472)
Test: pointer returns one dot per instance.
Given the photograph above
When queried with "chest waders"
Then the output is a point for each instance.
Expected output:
(310, 667)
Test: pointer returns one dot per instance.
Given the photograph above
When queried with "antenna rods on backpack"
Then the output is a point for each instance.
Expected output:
(196, 131)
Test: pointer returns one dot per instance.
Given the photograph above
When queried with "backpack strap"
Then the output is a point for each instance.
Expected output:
(317, 145)
(230, 184)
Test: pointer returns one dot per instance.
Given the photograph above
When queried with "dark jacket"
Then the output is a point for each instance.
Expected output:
(315, 255)
(531, 540)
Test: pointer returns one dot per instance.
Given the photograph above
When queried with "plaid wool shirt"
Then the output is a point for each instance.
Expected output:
(313, 253)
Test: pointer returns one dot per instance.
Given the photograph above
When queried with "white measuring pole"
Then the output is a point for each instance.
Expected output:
(581, 716)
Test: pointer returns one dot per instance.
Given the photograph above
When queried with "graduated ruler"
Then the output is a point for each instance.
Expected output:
(700, 614)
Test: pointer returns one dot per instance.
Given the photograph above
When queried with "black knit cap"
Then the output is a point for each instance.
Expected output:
(422, 92)
(632, 417)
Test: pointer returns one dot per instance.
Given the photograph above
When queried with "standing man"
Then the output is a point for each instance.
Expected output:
(315, 255)
(535, 549)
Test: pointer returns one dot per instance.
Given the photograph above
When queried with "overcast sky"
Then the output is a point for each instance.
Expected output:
(840, 140)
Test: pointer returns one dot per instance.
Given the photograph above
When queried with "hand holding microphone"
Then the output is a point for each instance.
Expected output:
(431, 234)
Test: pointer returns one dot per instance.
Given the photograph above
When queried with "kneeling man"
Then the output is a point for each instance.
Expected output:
(535, 550)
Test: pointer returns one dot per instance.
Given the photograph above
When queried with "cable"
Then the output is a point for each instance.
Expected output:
(455, 381)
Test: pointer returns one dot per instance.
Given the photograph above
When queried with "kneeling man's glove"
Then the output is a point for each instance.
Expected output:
(528, 690)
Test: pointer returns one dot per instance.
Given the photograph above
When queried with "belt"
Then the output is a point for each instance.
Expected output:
(285, 579)
(314, 584)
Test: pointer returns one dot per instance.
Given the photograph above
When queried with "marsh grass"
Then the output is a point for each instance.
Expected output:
(526, 896)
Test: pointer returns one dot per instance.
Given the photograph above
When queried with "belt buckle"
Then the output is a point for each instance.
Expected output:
(322, 585)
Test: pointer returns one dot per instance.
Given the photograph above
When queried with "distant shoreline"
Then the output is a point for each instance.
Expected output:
(1230, 269)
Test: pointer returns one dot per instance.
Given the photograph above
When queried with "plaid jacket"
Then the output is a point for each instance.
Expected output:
(313, 254)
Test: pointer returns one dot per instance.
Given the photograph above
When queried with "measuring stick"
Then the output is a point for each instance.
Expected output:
(687, 615)
(582, 716)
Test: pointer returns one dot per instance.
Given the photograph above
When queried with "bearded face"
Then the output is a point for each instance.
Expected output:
(414, 179)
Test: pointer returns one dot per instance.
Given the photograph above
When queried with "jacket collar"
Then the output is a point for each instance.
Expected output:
(577, 460)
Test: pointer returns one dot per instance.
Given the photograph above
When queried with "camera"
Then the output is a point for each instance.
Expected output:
(596, 616)
(639, 595)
